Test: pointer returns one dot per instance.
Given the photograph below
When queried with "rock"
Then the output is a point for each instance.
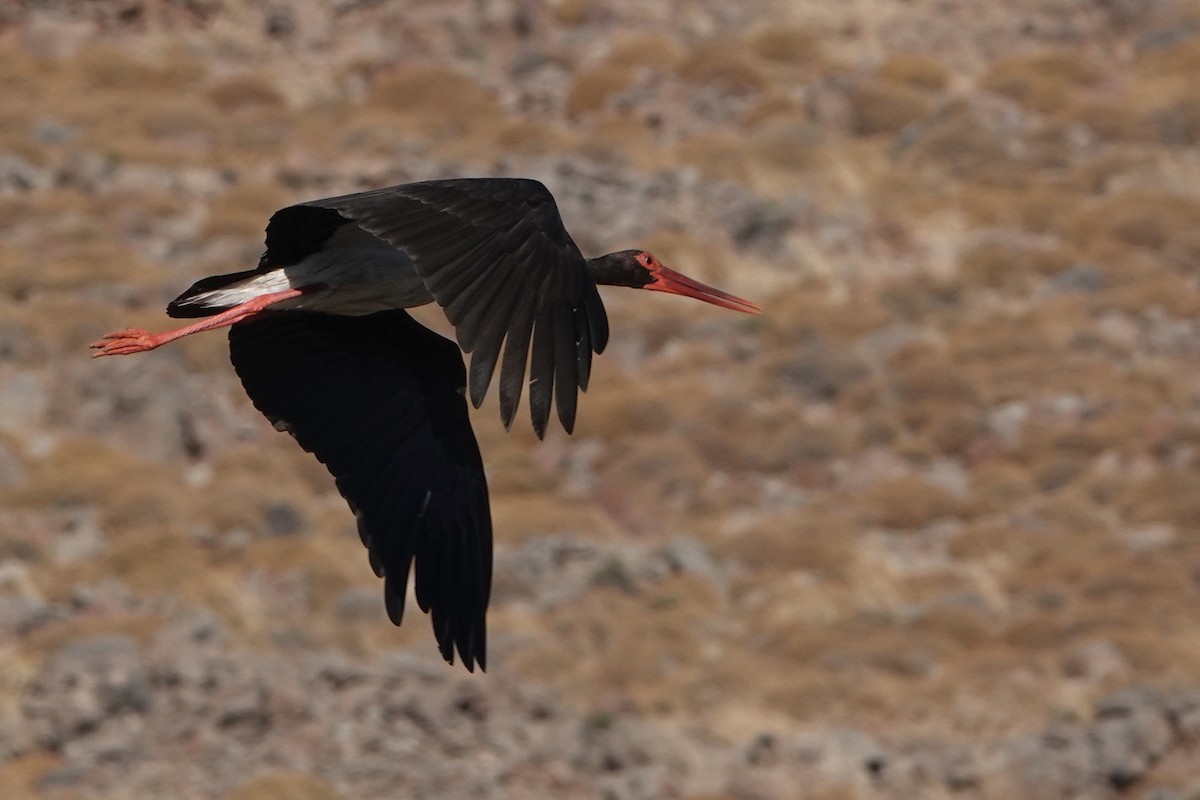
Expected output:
(1077, 278)
(1130, 734)
(284, 519)
(86, 684)
(1183, 708)
(1096, 661)
(19, 175)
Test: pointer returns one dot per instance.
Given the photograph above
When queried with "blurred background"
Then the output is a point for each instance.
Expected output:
(929, 527)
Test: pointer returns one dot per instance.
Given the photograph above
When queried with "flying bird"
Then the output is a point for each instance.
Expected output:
(319, 336)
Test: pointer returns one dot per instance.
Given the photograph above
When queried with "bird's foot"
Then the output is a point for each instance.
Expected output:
(122, 343)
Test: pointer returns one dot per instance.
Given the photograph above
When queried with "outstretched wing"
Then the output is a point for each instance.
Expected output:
(496, 257)
(379, 400)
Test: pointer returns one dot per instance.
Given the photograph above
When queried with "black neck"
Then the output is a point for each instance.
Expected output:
(619, 269)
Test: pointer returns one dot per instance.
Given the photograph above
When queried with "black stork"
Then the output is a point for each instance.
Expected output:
(325, 350)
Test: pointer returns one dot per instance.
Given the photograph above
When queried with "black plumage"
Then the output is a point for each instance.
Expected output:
(496, 256)
(379, 400)
(323, 347)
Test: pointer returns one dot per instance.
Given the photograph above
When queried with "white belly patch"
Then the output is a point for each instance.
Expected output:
(360, 274)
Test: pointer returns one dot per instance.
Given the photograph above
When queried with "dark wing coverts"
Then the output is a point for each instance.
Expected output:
(496, 257)
(379, 400)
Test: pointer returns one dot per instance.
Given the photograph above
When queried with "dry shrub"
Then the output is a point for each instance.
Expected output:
(990, 342)
(105, 67)
(877, 107)
(931, 380)
(787, 145)
(1154, 219)
(1182, 60)
(518, 517)
(1050, 82)
(641, 646)
(991, 265)
(242, 93)
(575, 12)
(658, 468)
(1113, 120)
(1173, 293)
(84, 471)
(71, 263)
(1057, 471)
(23, 775)
(921, 296)
(915, 70)
(181, 124)
(1000, 485)
(435, 101)
(811, 542)
(775, 106)
(907, 503)
(285, 786)
(243, 210)
(534, 137)
(370, 131)
(1165, 93)
(1171, 496)
(772, 443)
(651, 50)
(622, 137)
(1005, 265)
(953, 430)
(726, 64)
(1175, 121)
(954, 629)
(806, 311)
(815, 368)
(512, 469)
(1040, 208)
(23, 78)
(718, 155)
(965, 139)
(795, 45)
(593, 89)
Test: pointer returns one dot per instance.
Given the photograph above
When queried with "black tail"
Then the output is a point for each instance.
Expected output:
(189, 304)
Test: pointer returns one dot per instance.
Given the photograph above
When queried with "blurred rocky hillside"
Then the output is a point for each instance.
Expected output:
(928, 528)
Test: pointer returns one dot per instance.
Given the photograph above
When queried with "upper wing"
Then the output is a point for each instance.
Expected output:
(379, 400)
(496, 257)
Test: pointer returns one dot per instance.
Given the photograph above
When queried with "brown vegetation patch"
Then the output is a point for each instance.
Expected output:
(240, 94)
(877, 107)
(726, 64)
(719, 155)
(243, 211)
(964, 139)
(419, 93)
(285, 786)
(1172, 496)
(915, 70)
(108, 68)
(533, 137)
(657, 51)
(1048, 82)
(594, 89)
(789, 44)
(808, 540)
(1008, 265)
(787, 145)
(1163, 221)
(908, 503)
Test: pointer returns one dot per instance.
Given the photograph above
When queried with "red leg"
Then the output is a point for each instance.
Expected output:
(133, 340)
